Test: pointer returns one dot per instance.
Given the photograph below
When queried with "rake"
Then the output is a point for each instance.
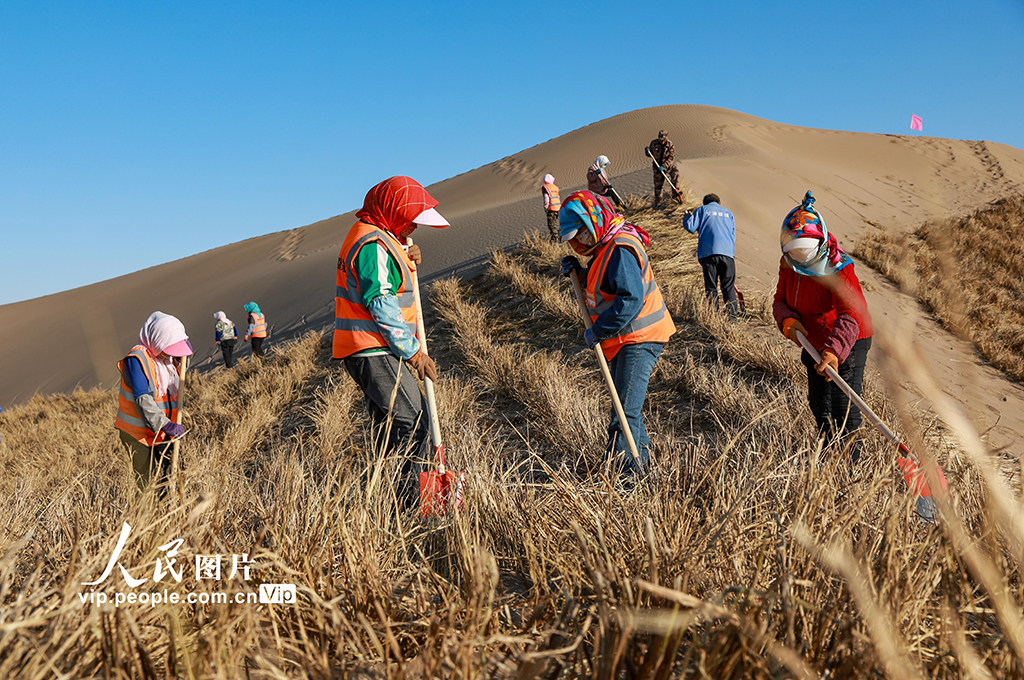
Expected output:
(907, 463)
(440, 489)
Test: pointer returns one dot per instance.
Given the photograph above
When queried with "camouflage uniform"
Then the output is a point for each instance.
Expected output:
(664, 154)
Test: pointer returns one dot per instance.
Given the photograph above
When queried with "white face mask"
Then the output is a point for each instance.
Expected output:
(802, 250)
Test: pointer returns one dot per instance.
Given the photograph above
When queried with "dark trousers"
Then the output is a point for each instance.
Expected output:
(257, 347)
(227, 348)
(553, 225)
(833, 412)
(631, 371)
(720, 270)
(659, 181)
(400, 426)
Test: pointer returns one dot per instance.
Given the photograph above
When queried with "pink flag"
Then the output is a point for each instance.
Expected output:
(915, 123)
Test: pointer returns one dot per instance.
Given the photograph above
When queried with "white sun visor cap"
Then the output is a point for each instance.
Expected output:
(431, 218)
(568, 236)
(802, 249)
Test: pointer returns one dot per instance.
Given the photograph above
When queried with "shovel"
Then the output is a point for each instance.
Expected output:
(907, 463)
(440, 489)
(616, 404)
(678, 194)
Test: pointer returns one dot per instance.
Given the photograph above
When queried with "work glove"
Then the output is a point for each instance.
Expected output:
(590, 337)
(570, 264)
(415, 255)
(828, 358)
(424, 365)
(173, 429)
(790, 324)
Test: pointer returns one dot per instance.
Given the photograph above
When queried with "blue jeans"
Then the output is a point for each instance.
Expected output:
(631, 372)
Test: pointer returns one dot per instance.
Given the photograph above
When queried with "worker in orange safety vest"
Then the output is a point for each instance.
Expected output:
(629, 316)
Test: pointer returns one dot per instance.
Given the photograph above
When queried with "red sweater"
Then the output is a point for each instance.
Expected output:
(835, 316)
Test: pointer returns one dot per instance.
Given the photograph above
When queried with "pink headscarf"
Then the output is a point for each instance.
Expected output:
(159, 332)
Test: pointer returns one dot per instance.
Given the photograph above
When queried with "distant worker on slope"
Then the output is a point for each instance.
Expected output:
(551, 205)
(663, 154)
(257, 332)
(375, 319)
(716, 250)
(147, 405)
(629, 316)
(819, 295)
(598, 182)
(225, 334)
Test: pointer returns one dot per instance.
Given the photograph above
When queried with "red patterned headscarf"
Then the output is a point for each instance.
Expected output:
(394, 204)
(587, 210)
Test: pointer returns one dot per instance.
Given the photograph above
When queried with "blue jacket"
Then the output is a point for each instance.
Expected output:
(715, 228)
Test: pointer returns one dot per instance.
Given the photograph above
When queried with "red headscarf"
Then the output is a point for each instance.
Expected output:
(394, 204)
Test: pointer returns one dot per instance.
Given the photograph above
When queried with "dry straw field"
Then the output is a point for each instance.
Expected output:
(750, 552)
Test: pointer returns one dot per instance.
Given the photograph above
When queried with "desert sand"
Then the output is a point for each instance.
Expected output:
(759, 168)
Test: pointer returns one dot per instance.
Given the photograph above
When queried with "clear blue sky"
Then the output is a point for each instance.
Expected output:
(134, 133)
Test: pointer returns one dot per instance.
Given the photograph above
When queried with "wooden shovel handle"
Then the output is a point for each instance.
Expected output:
(854, 397)
(421, 332)
(616, 404)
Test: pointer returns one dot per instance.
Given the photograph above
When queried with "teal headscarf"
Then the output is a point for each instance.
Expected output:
(252, 308)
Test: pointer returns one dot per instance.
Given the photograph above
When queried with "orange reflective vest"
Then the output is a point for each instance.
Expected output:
(653, 324)
(259, 326)
(554, 202)
(128, 417)
(354, 328)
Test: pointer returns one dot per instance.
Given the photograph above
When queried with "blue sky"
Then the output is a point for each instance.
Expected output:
(134, 133)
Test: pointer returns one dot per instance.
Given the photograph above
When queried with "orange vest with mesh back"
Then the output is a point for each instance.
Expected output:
(128, 417)
(354, 328)
(653, 324)
(554, 202)
(259, 326)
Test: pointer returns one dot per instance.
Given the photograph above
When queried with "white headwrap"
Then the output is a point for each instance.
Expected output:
(549, 179)
(221, 316)
(159, 332)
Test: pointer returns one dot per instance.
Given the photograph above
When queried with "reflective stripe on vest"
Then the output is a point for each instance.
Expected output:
(653, 323)
(259, 326)
(128, 417)
(554, 202)
(354, 328)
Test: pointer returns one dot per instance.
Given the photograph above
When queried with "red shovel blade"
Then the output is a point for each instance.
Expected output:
(440, 494)
(915, 477)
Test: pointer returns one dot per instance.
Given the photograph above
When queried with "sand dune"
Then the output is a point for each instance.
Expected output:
(760, 168)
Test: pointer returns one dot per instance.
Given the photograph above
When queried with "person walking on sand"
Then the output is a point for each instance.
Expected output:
(147, 404)
(818, 294)
(375, 320)
(257, 328)
(664, 158)
(630, 320)
(597, 179)
(716, 250)
(225, 335)
(551, 205)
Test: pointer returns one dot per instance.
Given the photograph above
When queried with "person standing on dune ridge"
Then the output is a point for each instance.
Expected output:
(598, 182)
(664, 153)
(552, 203)
(257, 328)
(375, 321)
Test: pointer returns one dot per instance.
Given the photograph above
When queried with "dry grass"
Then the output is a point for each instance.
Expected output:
(969, 272)
(750, 552)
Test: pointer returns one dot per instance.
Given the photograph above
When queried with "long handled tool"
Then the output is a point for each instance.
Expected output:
(616, 404)
(914, 476)
(440, 489)
(675, 192)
